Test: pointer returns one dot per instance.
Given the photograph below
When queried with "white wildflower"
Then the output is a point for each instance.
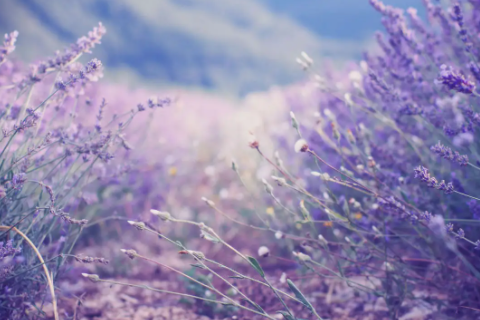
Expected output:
(301, 146)
(263, 251)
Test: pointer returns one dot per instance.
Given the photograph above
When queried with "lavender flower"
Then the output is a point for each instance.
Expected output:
(458, 17)
(7, 249)
(423, 174)
(8, 45)
(18, 180)
(454, 81)
(426, 216)
(460, 234)
(449, 227)
(448, 154)
(477, 245)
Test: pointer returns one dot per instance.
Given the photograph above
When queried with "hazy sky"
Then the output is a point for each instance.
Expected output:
(228, 46)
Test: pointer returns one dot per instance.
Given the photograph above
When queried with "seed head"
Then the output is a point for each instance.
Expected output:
(91, 277)
(280, 181)
(139, 225)
(267, 186)
(301, 146)
(209, 202)
(302, 256)
(130, 253)
(263, 252)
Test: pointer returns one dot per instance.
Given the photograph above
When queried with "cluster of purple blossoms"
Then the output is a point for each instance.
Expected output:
(65, 59)
(8, 45)
(448, 154)
(91, 72)
(423, 174)
(7, 249)
(455, 81)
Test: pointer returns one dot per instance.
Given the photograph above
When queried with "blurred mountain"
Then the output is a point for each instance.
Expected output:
(227, 46)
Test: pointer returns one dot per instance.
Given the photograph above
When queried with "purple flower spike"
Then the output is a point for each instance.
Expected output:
(448, 154)
(423, 174)
(7, 249)
(477, 245)
(455, 81)
(8, 45)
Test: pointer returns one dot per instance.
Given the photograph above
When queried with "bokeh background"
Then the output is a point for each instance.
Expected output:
(228, 47)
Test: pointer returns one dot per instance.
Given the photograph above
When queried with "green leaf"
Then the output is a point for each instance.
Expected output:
(299, 295)
(256, 266)
(256, 306)
(332, 195)
(209, 237)
(195, 265)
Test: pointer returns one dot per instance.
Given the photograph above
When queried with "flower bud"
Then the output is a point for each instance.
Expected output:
(278, 161)
(371, 162)
(209, 202)
(301, 256)
(165, 216)
(130, 253)
(322, 240)
(303, 209)
(139, 225)
(267, 186)
(302, 63)
(280, 181)
(263, 251)
(335, 132)
(307, 58)
(253, 143)
(294, 120)
(351, 137)
(325, 176)
(348, 99)
(91, 277)
(197, 254)
(300, 146)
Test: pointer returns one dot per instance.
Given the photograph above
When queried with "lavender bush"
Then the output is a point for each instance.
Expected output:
(62, 146)
(358, 202)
